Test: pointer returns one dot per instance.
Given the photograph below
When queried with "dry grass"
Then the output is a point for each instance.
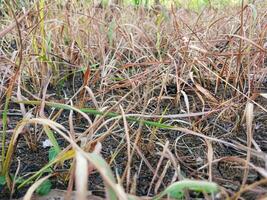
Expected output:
(173, 94)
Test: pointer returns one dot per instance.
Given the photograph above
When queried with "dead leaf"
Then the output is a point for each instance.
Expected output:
(206, 93)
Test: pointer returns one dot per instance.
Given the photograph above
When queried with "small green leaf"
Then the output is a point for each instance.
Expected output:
(52, 154)
(52, 138)
(2, 180)
(176, 190)
(44, 188)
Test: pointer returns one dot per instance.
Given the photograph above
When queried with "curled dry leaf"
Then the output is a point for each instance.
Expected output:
(264, 95)
(81, 176)
(206, 93)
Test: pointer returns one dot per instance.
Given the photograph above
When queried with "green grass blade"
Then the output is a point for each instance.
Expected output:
(52, 138)
(96, 112)
(4, 124)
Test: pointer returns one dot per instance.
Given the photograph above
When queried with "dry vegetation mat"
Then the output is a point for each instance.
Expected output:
(131, 102)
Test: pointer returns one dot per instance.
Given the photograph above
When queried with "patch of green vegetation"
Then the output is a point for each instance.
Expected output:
(52, 154)
(2, 180)
(189, 4)
(177, 189)
(44, 188)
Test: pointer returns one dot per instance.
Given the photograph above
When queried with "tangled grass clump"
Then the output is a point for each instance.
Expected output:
(133, 102)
